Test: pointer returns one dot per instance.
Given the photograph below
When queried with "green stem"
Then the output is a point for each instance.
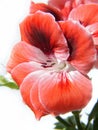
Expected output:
(77, 118)
(66, 124)
(87, 125)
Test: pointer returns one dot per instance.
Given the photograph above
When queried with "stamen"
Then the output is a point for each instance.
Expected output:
(48, 64)
(48, 60)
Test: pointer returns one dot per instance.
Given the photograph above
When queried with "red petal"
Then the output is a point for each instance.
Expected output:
(22, 70)
(59, 92)
(85, 14)
(78, 2)
(30, 83)
(90, 1)
(46, 8)
(57, 3)
(41, 30)
(93, 29)
(96, 63)
(82, 49)
(23, 52)
(69, 3)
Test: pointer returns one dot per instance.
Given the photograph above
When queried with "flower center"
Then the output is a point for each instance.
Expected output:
(61, 65)
(58, 66)
(47, 64)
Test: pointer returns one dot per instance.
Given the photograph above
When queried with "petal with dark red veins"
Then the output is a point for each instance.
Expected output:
(58, 92)
(82, 49)
(30, 83)
(46, 8)
(41, 30)
(23, 52)
(22, 70)
(85, 14)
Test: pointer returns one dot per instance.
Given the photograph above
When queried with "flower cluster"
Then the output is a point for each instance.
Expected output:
(58, 48)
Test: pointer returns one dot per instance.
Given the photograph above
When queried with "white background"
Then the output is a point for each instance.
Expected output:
(14, 114)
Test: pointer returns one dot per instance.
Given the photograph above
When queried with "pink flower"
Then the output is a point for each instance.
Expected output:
(51, 63)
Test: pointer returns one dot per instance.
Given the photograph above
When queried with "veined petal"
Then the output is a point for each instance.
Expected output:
(58, 92)
(85, 14)
(23, 52)
(29, 83)
(82, 49)
(41, 30)
(46, 8)
(23, 69)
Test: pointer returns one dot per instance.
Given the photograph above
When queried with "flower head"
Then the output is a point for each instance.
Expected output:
(51, 63)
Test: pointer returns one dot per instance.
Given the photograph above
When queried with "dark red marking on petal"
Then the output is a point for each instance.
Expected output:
(40, 39)
(41, 30)
(46, 8)
(81, 45)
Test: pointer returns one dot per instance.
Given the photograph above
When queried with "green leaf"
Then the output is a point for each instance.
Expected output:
(70, 128)
(8, 82)
(95, 124)
(90, 126)
(77, 119)
(60, 129)
(59, 125)
(65, 124)
(94, 112)
(71, 120)
(63, 121)
(3, 79)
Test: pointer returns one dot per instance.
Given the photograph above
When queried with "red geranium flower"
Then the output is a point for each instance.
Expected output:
(50, 64)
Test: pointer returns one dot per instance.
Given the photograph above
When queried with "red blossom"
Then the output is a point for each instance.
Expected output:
(51, 63)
